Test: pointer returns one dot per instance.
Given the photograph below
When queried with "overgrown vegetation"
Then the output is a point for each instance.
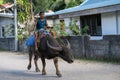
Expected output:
(113, 61)
(23, 7)
(1, 49)
(1, 2)
(60, 30)
(73, 3)
(76, 30)
(22, 34)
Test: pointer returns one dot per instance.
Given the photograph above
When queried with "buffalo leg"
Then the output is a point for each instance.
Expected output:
(56, 66)
(30, 58)
(43, 64)
(36, 65)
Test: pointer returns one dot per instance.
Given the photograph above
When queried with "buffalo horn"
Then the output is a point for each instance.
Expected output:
(68, 44)
(54, 48)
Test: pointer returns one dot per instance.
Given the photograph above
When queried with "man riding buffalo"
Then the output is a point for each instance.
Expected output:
(41, 24)
(47, 47)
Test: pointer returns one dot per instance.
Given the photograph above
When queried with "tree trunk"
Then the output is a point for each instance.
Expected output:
(30, 23)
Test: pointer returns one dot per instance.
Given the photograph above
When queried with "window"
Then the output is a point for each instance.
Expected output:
(94, 24)
(3, 31)
(7, 31)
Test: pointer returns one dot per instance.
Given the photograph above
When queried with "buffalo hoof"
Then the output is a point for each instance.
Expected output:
(29, 67)
(59, 75)
(43, 73)
(37, 70)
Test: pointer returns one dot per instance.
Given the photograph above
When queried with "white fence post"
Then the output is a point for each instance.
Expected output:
(15, 24)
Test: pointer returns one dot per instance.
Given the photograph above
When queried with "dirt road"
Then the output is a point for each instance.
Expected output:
(13, 67)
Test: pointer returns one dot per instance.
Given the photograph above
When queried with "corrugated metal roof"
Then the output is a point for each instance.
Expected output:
(6, 6)
(6, 15)
(70, 9)
(89, 4)
(98, 3)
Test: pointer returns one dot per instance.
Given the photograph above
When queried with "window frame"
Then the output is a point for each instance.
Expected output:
(1, 31)
(89, 21)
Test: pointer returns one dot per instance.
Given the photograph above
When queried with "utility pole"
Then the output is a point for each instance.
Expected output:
(15, 25)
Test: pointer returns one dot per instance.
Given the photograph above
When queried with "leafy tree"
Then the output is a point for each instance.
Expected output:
(1, 2)
(40, 5)
(58, 5)
(23, 7)
(73, 3)
(62, 4)
(23, 10)
(79, 1)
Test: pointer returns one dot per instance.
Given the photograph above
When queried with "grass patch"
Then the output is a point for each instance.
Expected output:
(1, 49)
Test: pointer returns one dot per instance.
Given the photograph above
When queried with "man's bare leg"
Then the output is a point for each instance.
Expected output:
(36, 41)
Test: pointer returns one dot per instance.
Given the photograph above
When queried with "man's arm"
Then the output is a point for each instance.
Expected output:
(46, 25)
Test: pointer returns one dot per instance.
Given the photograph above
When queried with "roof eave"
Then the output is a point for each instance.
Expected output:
(6, 15)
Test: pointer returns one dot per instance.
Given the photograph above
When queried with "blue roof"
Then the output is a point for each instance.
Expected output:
(89, 4)
(98, 3)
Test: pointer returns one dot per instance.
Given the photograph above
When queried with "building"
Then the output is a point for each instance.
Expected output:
(7, 30)
(102, 17)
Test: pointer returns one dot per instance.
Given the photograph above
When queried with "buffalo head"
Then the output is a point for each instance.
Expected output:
(64, 51)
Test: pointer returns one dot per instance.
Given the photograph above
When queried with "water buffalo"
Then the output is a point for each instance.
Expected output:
(49, 48)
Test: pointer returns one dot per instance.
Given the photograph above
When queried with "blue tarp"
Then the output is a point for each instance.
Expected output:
(30, 41)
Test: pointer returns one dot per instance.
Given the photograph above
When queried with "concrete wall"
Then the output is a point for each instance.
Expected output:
(7, 44)
(21, 46)
(82, 47)
(108, 48)
(109, 26)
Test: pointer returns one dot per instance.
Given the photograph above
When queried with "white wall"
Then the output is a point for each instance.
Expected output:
(50, 22)
(109, 26)
(118, 14)
(56, 21)
(67, 21)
